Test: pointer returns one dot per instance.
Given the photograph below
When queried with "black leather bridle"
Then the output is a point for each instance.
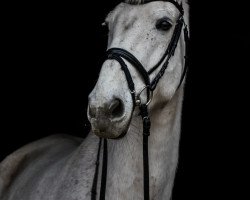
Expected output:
(120, 55)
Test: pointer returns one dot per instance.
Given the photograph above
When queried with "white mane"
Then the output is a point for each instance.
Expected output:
(134, 1)
(143, 1)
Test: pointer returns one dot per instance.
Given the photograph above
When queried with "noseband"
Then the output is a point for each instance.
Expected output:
(120, 55)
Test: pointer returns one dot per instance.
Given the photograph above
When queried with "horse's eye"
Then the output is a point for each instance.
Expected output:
(163, 24)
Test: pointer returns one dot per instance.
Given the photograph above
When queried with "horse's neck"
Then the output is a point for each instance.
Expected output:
(125, 156)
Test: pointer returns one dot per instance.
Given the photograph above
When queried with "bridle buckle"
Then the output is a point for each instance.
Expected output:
(138, 101)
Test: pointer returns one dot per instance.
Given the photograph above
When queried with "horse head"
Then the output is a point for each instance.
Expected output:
(145, 30)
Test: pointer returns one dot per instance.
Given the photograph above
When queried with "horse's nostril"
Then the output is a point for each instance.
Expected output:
(116, 108)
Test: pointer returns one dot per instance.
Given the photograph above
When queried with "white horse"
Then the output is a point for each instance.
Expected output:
(62, 167)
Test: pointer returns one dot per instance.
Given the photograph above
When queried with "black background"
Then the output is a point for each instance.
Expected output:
(52, 57)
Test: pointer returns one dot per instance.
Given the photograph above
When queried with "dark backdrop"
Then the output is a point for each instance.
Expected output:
(53, 55)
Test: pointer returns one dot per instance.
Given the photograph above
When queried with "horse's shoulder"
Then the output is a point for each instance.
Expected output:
(12, 164)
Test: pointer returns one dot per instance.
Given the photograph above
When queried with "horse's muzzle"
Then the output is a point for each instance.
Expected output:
(107, 119)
